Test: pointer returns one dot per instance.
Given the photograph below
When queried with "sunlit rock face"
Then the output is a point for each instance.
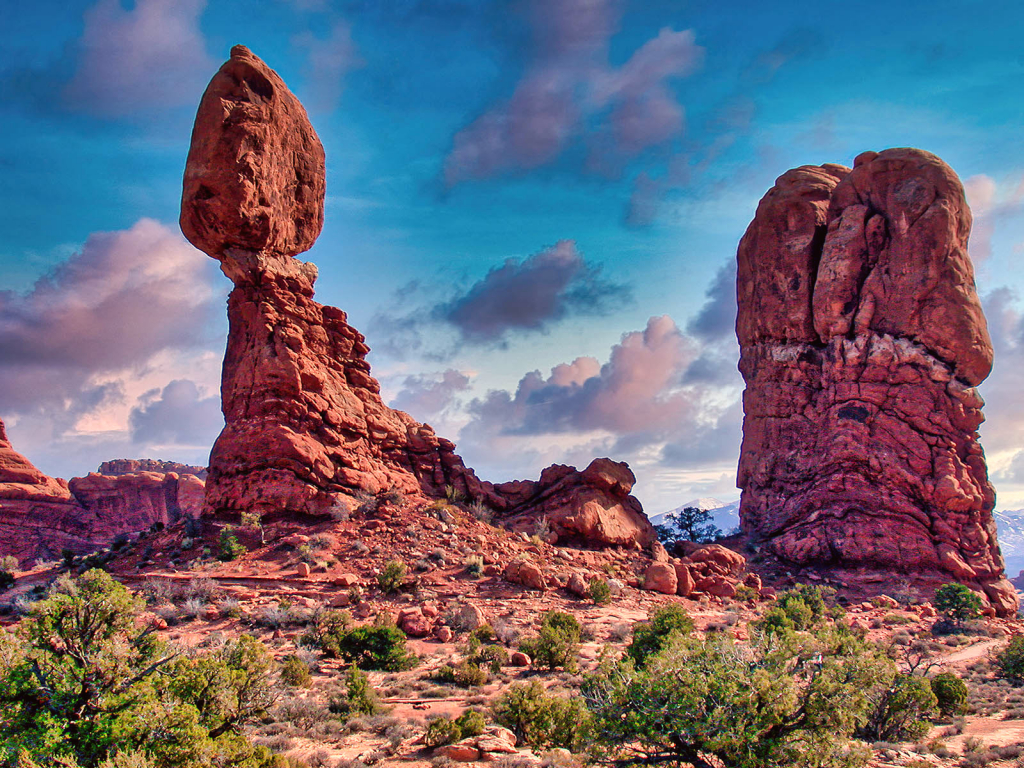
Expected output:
(862, 341)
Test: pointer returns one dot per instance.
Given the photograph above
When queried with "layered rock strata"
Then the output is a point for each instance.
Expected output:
(116, 467)
(305, 426)
(862, 343)
(40, 516)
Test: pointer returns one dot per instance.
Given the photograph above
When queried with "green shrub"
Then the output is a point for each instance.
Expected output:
(483, 634)
(442, 730)
(599, 591)
(230, 547)
(465, 674)
(950, 694)
(802, 608)
(957, 603)
(295, 672)
(704, 700)
(745, 594)
(557, 643)
(327, 627)
(543, 720)
(649, 637)
(493, 656)
(471, 723)
(901, 710)
(391, 576)
(360, 697)
(474, 566)
(1010, 660)
(367, 647)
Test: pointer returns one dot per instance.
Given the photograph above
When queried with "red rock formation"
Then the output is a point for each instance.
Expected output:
(132, 466)
(305, 427)
(593, 506)
(862, 341)
(134, 502)
(40, 515)
(36, 511)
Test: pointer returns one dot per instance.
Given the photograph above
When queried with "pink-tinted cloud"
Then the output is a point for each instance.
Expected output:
(991, 204)
(123, 298)
(571, 92)
(427, 396)
(530, 295)
(637, 390)
(151, 57)
(178, 414)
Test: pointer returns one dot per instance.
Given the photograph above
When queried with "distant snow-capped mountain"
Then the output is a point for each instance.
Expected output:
(725, 514)
(1010, 525)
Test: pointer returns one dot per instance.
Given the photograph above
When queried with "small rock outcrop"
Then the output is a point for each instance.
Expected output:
(136, 501)
(40, 516)
(305, 426)
(593, 506)
(862, 341)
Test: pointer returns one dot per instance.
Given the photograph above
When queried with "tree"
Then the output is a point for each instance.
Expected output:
(900, 709)
(81, 681)
(950, 694)
(783, 700)
(957, 603)
(690, 524)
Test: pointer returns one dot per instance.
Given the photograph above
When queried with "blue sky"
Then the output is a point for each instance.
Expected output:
(532, 209)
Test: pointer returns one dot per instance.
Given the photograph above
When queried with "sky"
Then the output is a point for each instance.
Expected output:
(532, 210)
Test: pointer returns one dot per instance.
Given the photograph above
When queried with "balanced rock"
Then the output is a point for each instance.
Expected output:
(862, 341)
(305, 426)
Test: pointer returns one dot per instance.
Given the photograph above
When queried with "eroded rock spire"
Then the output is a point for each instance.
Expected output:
(862, 341)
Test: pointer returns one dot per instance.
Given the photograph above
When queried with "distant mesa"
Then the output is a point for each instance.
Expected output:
(116, 467)
(305, 426)
(40, 516)
(862, 341)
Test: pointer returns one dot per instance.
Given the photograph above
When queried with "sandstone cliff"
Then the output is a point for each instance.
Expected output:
(862, 341)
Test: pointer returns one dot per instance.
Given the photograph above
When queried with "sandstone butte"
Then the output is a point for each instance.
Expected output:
(305, 427)
(862, 343)
(40, 515)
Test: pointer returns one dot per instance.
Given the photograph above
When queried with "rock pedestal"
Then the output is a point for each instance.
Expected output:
(862, 341)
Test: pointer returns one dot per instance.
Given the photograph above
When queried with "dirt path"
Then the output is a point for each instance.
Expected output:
(970, 653)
